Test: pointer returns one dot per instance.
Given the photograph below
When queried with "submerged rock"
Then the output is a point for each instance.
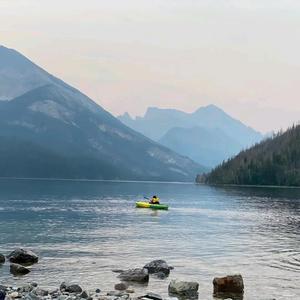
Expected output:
(70, 288)
(184, 288)
(117, 270)
(40, 292)
(121, 286)
(137, 275)
(232, 284)
(17, 269)
(158, 266)
(23, 257)
(2, 259)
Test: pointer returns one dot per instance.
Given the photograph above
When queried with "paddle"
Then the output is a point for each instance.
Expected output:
(146, 198)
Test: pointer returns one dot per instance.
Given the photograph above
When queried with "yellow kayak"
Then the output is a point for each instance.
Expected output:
(142, 204)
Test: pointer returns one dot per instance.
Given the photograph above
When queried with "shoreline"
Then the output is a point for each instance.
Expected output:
(150, 182)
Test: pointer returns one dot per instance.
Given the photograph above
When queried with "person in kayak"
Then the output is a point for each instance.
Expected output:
(154, 200)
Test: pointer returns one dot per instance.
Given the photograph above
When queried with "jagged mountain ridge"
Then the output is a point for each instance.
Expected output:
(176, 130)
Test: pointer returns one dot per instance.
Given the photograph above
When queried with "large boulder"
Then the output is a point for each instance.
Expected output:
(23, 257)
(158, 266)
(18, 270)
(184, 288)
(2, 259)
(70, 288)
(137, 275)
(232, 284)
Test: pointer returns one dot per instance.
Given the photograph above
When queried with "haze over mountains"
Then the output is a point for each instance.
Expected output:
(208, 135)
(50, 129)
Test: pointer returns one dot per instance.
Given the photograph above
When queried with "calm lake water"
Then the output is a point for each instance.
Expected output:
(83, 230)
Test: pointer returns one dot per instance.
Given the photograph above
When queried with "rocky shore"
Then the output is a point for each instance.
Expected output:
(21, 262)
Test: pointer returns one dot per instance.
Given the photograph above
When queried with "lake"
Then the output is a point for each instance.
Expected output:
(84, 229)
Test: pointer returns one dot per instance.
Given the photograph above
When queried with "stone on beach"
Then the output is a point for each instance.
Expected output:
(121, 286)
(17, 269)
(23, 257)
(183, 288)
(231, 284)
(71, 288)
(137, 275)
(14, 295)
(158, 266)
(40, 292)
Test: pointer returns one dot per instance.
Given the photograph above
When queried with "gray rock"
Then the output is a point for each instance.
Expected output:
(26, 288)
(121, 286)
(31, 296)
(23, 257)
(40, 292)
(98, 291)
(137, 275)
(157, 266)
(16, 270)
(183, 288)
(2, 259)
(232, 284)
(118, 294)
(14, 295)
(71, 288)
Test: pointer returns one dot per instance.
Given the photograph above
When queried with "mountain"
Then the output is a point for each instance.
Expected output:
(19, 75)
(275, 161)
(210, 146)
(45, 120)
(209, 130)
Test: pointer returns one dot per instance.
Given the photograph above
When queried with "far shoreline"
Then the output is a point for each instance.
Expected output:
(150, 181)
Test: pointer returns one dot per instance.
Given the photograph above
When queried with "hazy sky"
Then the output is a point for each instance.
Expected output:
(242, 55)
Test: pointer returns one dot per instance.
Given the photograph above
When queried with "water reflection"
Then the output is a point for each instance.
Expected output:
(90, 228)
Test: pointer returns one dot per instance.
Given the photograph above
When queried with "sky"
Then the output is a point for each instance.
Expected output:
(127, 55)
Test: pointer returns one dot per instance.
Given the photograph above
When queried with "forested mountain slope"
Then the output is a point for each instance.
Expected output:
(275, 161)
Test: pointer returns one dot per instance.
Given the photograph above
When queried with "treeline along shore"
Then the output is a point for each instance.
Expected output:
(275, 161)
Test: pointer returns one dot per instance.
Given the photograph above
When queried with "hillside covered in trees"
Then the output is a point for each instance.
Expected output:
(275, 161)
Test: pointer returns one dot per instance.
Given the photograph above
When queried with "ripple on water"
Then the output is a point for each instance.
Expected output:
(88, 229)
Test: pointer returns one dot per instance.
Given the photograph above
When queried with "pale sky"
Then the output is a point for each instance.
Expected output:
(242, 55)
